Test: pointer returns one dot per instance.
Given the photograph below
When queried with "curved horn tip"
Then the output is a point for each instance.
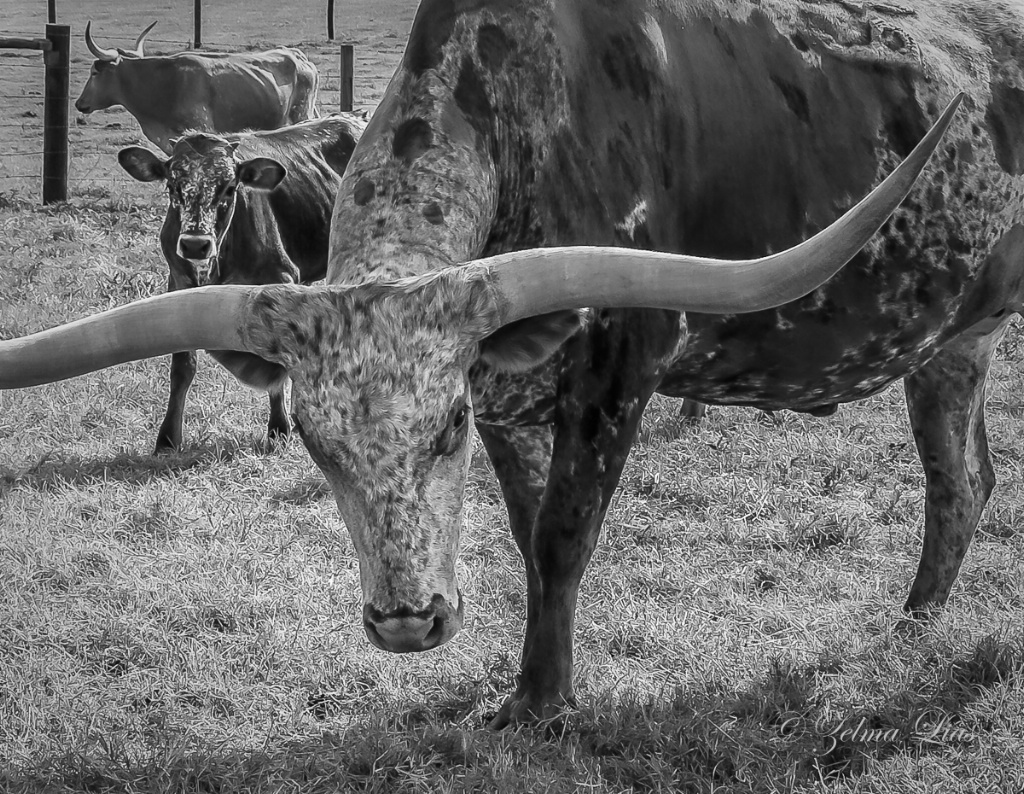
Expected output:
(142, 38)
(949, 111)
(98, 52)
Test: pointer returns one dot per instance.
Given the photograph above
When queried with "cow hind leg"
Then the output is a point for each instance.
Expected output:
(183, 370)
(304, 98)
(279, 427)
(692, 410)
(946, 401)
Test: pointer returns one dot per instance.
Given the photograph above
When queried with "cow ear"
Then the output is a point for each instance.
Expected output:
(260, 172)
(251, 369)
(524, 344)
(142, 164)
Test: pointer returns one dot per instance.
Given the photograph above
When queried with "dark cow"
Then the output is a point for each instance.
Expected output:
(249, 208)
(208, 91)
(719, 129)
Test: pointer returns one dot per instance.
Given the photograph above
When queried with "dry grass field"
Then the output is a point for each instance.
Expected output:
(191, 623)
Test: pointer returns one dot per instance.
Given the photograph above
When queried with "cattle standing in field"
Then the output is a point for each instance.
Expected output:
(207, 91)
(249, 208)
(716, 129)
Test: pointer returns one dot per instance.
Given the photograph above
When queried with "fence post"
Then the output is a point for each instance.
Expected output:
(51, 11)
(347, 76)
(330, 20)
(197, 24)
(55, 113)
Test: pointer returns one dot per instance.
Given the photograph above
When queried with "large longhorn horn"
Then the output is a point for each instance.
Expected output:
(543, 280)
(526, 283)
(205, 318)
(141, 40)
(100, 53)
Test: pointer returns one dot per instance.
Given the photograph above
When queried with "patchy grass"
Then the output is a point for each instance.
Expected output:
(191, 623)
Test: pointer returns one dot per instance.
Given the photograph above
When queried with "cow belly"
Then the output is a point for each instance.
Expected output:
(876, 321)
(797, 366)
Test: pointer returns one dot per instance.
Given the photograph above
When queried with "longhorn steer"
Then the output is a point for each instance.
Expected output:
(249, 208)
(717, 129)
(207, 91)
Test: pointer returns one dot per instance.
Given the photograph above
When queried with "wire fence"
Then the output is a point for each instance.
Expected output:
(22, 118)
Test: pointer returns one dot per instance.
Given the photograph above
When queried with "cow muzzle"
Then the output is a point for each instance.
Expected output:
(197, 247)
(82, 106)
(406, 631)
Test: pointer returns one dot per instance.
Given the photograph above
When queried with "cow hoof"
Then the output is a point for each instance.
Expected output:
(524, 708)
(277, 438)
(910, 628)
(920, 611)
(166, 446)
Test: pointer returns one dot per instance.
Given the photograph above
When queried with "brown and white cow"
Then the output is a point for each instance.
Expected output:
(207, 91)
(717, 129)
(247, 208)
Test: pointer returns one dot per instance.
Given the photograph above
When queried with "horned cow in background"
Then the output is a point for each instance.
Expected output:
(248, 208)
(202, 91)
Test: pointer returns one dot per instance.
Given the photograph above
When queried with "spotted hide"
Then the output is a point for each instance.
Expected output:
(713, 128)
(247, 208)
(721, 129)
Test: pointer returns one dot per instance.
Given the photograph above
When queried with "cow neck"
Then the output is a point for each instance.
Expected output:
(149, 106)
(419, 192)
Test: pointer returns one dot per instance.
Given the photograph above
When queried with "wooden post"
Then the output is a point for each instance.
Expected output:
(51, 11)
(197, 24)
(330, 20)
(57, 59)
(347, 76)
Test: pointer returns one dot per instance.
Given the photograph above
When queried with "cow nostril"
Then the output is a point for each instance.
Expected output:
(195, 247)
(404, 630)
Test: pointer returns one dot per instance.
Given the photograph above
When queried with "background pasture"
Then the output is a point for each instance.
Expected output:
(192, 623)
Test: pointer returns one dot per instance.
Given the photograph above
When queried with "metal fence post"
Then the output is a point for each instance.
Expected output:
(51, 11)
(197, 24)
(55, 113)
(330, 20)
(347, 76)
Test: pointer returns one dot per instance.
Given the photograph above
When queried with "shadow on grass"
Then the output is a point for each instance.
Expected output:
(302, 493)
(128, 467)
(773, 736)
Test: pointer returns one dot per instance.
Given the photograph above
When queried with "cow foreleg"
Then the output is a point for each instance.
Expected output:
(183, 370)
(946, 400)
(521, 457)
(183, 365)
(609, 374)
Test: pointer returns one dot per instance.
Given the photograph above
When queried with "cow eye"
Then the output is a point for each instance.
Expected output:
(454, 432)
